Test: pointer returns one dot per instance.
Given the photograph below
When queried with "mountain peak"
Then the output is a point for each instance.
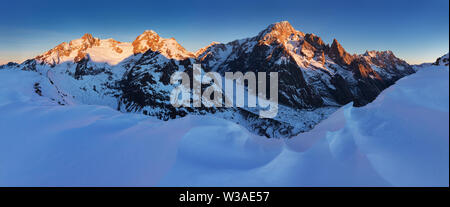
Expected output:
(279, 32)
(150, 40)
(87, 36)
(147, 40)
(86, 41)
(336, 44)
(280, 27)
(283, 25)
(149, 32)
(338, 53)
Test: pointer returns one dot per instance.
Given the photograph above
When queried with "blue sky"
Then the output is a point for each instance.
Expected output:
(417, 31)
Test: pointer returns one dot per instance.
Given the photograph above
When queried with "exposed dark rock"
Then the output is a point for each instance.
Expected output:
(339, 55)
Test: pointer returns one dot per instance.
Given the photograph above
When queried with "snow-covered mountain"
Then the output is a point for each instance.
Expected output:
(108, 51)
(312, 74)
(314, 78)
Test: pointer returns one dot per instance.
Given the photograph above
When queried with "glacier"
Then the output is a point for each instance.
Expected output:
(400, 139)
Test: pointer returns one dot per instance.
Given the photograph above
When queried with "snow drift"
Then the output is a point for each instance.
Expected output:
(400, 139)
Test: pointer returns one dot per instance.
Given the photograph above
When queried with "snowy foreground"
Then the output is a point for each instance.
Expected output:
(401, 139)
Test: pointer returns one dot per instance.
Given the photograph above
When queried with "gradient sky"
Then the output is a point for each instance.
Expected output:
(417, 31)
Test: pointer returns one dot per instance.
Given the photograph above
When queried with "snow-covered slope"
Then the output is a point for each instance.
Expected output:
(400, 139)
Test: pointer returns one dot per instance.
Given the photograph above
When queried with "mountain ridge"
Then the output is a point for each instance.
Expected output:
(314, 77)
(275, 32)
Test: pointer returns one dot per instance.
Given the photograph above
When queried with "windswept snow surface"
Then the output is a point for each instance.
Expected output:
(401, 139)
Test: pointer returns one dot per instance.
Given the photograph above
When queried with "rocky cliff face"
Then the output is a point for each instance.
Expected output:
(339, 55)
(314, 78)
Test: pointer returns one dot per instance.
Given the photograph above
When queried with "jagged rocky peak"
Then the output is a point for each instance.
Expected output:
(279, 32)
(147, 40)
(85, 42)
(338, 54)
(88, 39)
(150, 40)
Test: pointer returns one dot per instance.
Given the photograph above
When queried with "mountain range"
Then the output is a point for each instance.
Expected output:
(315, 78)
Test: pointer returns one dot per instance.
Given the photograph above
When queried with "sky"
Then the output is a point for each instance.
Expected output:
(416, 31)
